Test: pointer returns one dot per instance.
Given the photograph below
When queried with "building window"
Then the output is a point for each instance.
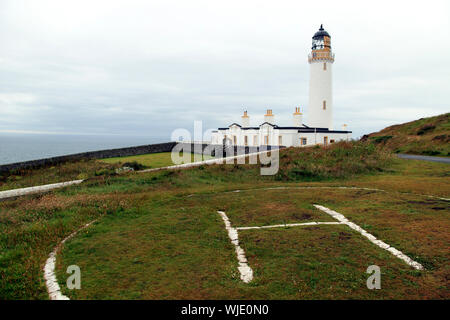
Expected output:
(234, 140)
(324, 106)
(325, 140)
(246, 140)
(325, 66)
(255, 140)
(280, 140)
(332, 141)
(266, 140)
(303, 141)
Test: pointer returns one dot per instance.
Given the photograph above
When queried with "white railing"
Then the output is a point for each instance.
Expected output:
(321, 56)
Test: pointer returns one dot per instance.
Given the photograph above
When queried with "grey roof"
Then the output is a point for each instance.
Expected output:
(305, 128)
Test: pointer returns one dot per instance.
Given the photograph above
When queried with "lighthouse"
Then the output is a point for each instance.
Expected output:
(321, 58)
(319, 127)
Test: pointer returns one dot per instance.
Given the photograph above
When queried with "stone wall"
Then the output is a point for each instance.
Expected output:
(121, 152)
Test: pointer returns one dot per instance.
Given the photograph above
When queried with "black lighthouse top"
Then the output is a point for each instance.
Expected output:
(321, 33)
(319, 41)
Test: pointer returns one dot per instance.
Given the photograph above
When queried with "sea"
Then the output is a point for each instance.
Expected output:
(23, 147)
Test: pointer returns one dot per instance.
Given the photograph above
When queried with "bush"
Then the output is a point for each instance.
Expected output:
(135, 165)
(339, 160)
(105, 172)
(426, 128)
(431, 152)
(380, 139)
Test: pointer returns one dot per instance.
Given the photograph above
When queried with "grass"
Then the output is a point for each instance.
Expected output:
(154, 160)
(159, 236)
(58, 173)
(340, 160)
(82, 170)
(178, 248)
(427, 136)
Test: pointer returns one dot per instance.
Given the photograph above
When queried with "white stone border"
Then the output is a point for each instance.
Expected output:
(209, 162)
(54, 291)
(37, 189)
(245, 271)
(342, 219)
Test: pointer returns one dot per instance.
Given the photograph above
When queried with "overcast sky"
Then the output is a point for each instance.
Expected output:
(148, 67)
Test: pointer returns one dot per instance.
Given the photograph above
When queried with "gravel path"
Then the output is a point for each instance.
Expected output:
(424, 158)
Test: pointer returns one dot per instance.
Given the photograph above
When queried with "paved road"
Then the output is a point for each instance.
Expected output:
(424, 158)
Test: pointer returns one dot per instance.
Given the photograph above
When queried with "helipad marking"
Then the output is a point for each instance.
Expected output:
(245, 271)
(341, 218)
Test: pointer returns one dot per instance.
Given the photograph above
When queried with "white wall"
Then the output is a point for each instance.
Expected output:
(320, 89)
(291, 138)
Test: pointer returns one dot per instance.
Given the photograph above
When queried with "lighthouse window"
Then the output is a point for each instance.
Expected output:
(324, 66)
(324, 105)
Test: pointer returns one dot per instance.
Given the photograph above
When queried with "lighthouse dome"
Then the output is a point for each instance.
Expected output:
(321, 33)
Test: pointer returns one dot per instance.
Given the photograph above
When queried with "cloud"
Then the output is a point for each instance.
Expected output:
(146, 68)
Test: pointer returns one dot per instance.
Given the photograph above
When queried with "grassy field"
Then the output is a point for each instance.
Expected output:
(159, 235)
(82, 170)
(154, 160)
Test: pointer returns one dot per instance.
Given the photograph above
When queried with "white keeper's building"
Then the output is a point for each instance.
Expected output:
(320, 127)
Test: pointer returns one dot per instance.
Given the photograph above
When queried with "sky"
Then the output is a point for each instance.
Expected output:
(149, 67)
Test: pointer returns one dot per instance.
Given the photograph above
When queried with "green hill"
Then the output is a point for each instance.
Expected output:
(427, 136)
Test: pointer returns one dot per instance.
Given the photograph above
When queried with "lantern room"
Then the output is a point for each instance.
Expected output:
(321, 46)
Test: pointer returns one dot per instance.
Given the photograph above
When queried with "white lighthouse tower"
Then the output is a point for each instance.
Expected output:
(321, 58)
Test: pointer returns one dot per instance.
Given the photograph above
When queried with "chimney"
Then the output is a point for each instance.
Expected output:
(297, 117)
(245, 120)
(269, 117)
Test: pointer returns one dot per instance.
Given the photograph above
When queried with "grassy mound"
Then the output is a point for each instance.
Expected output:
(339, 160)
(427, 136)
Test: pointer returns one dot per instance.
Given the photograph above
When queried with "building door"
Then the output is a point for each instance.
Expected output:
(325, 140)
(303, 141)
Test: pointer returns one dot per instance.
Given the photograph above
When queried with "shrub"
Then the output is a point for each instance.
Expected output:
(339, 160)
(135, 165)
(426, 128)
(105, 172)
(431, 152)
(380, 139)
(442, 137)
